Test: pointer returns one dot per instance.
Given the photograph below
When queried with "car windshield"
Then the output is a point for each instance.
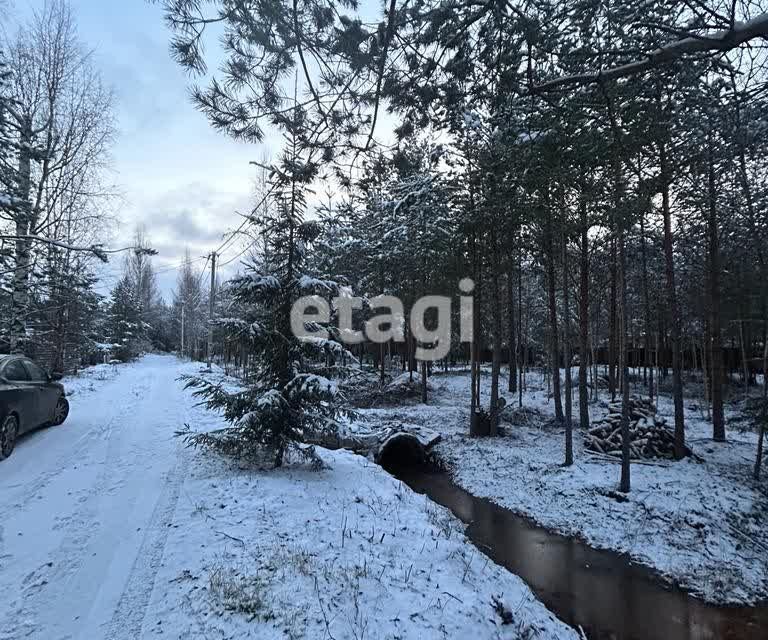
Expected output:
(15, 371)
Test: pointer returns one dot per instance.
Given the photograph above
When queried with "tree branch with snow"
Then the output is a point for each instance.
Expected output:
(721, 41)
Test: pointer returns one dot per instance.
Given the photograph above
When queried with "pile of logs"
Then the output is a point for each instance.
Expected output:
(649, 437)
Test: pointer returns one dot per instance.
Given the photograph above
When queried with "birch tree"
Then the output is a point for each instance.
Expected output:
(61, 123)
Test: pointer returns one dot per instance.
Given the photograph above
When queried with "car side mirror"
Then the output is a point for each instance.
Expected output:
(56, 376)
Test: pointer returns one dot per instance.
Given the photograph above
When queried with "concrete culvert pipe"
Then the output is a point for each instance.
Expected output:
(401, 450)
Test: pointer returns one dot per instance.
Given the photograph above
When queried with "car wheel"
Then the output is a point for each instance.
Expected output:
(9, 431)
(61, 411)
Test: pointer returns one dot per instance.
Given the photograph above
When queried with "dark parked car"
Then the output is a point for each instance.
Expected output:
(29, 398)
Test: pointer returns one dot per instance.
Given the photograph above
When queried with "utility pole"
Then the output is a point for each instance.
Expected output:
(182, 330)
(210, 308)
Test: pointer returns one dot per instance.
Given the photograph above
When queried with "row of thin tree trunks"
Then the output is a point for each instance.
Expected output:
(711, 358)
(641, 358)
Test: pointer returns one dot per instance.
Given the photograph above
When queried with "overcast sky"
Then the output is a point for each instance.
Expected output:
(181, 179)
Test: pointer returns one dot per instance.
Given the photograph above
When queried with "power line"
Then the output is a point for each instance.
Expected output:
(202, 273)
(221, 248)
(179, 265)
(109, 280)
(231, 260)
(246, 219)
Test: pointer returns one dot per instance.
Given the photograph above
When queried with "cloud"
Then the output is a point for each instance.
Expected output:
(188, 226)
(195, 216)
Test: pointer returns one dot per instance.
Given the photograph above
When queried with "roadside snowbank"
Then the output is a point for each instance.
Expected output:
(347, 552)
(702, 525)
(89, 379)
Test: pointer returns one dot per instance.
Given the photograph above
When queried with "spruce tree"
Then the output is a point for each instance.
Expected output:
(190, 308)
(124, 321)
(291, 397)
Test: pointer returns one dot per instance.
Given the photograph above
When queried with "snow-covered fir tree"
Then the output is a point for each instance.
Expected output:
(291, 398)
(124, 326)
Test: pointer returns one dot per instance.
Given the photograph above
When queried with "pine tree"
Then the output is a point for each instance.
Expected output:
(421, 224)
(340, 60)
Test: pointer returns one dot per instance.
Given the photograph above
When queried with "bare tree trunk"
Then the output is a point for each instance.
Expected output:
(744, 359)
(523, 352)
(656, 357)
(411, 355)
(761, 438)
(567, 348)
(593, 339)
(765, 367)
(473, 375)
(693, 359)
(625, 483)
(718, 416)
(619, 225)
(763, 419)
(554, 343)
(595, 372)
(612, 326)
(473, 348)
(646, 308)
(381, 363)
(512, 328)
(756, 235)
(478, 338)
(497, 329)
(583, 315)
(677, 364)
(705, 365)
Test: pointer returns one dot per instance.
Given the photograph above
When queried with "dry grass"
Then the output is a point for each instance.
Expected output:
(238, 591)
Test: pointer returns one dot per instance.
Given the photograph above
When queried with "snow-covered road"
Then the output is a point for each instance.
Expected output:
(85, 508)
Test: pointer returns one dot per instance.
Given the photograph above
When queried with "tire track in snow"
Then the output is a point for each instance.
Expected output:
(131, 609)
(129, 614)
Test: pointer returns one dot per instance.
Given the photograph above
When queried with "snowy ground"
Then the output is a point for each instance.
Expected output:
(110, 529)
(703, 525)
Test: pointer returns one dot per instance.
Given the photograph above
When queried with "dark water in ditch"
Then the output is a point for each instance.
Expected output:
(600, 591)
